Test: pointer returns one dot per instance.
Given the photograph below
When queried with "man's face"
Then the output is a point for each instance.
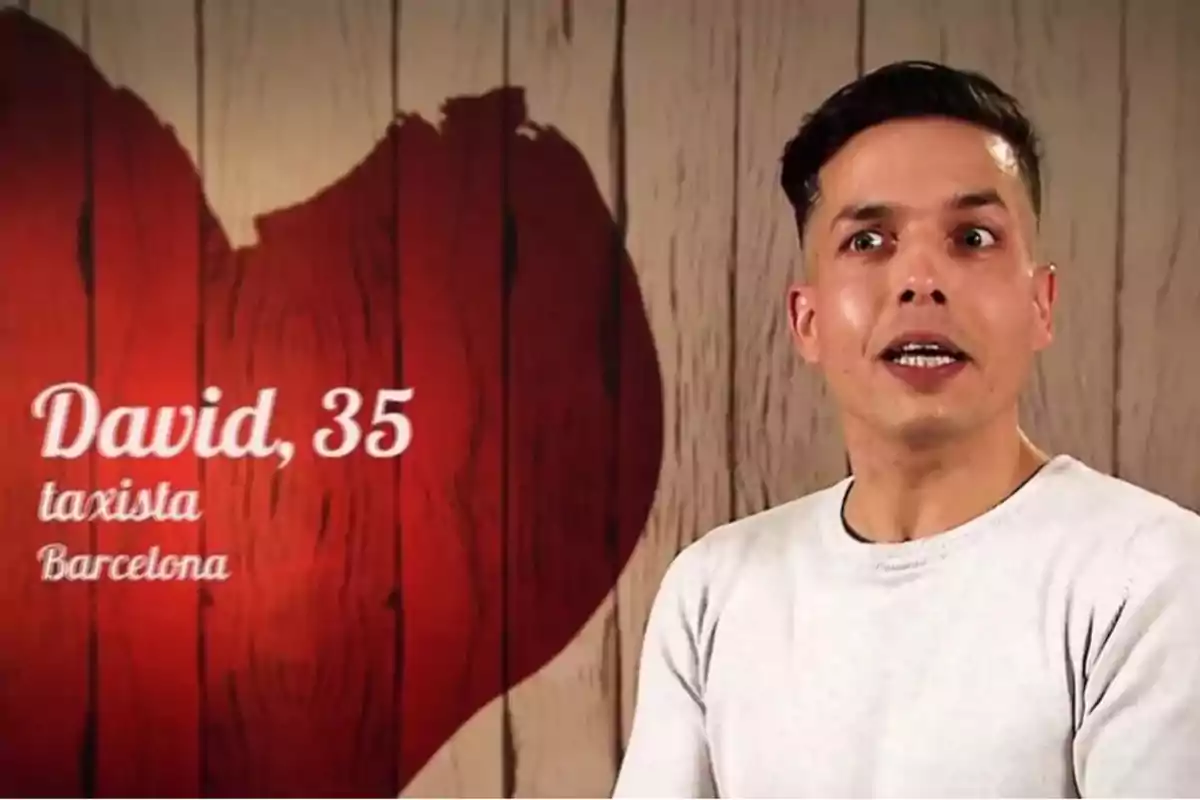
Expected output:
(922, 302)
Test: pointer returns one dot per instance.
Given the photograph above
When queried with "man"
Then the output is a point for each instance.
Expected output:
(966, 615)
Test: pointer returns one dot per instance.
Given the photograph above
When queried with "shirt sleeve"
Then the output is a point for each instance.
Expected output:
(1140, 733)
(667, 754)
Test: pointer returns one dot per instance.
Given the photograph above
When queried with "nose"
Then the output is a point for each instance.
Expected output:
(919, 279)
(911, 295)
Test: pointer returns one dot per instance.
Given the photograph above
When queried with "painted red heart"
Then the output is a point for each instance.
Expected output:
(374, 604)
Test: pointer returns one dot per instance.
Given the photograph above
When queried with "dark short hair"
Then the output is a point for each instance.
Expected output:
(905, 89)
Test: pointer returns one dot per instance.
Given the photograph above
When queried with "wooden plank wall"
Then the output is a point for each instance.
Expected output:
(680, 109)
(1159, 279)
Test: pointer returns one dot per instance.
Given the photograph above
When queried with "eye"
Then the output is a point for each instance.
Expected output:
(976, 238)
(864, 241)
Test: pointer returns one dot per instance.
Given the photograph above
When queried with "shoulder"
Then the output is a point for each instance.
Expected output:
(1077, 489)
(1162, 554)
(1142, 596)
(1132, 517)
(1143, 545)
(1107, 513)
(703, 573)
(759, 536)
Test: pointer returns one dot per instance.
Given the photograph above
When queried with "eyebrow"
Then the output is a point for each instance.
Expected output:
(871, 212)
(984, 197)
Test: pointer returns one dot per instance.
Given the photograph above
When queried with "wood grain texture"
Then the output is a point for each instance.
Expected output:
(1159, 313)
(448, 50)
(299, 648)
(1060, 60)
(149, 48)
(145, 219)
(679, 75)
(788, 435)
(47, 644)
(563, 58)
(295, 95)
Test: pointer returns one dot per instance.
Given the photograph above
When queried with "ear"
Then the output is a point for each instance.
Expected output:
(1045, 295)
(803, 321)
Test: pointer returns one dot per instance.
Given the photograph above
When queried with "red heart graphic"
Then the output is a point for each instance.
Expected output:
(374, 604)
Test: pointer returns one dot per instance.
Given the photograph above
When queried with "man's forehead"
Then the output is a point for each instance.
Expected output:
(984, 197)
(920, 164)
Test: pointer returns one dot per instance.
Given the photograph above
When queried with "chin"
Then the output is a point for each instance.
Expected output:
(926, 430)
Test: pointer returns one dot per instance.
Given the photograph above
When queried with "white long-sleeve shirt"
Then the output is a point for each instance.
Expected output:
(1050, 647)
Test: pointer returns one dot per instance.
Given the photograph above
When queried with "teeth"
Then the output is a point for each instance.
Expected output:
(927, 362)
(922, 348)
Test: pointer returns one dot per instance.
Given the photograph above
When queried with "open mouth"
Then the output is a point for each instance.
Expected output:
(929, 354)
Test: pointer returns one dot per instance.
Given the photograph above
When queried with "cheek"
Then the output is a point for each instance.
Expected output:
(1008, 322)
(846, 315)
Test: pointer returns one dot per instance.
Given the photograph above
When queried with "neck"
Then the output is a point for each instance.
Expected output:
(902, 492)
